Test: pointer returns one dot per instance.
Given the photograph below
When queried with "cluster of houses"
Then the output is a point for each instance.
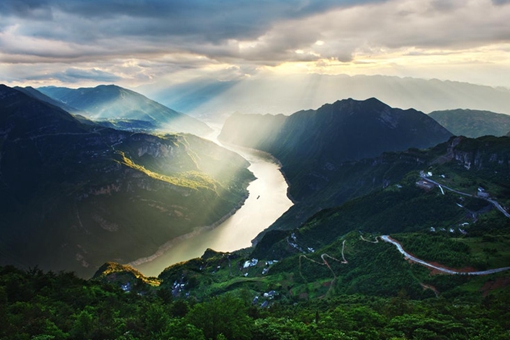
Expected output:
(126, 287)
(266, 297)
(250, 263)
(482, 193)
(424, 184)
(451, 230)
(293, 243)
(253, 262)
(177, 288)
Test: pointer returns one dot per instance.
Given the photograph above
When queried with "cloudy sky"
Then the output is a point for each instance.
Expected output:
(141, 42)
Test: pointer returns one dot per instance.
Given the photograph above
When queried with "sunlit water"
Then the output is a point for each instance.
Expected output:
(267, 201)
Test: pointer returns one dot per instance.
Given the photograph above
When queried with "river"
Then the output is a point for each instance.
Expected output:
(266, 202)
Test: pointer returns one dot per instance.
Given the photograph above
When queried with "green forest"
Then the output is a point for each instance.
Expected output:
(47, 305)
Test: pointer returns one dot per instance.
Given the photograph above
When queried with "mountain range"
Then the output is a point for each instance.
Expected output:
(346, 130)
(115, 106)
(385, 200)
(274, 94)
(317, 147)
(74, 195)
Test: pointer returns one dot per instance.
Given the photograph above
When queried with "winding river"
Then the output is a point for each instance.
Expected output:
(267, 201)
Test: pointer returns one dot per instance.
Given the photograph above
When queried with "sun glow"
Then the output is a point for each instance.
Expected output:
(415, 62)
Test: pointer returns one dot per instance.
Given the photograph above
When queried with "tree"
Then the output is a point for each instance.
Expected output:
(225, 315)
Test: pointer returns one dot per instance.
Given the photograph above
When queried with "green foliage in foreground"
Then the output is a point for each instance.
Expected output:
(37, 305)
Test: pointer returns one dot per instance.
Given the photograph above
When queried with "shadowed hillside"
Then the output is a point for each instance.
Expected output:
(73, 196)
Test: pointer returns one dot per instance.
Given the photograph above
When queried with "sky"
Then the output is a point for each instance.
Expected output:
(136, 43)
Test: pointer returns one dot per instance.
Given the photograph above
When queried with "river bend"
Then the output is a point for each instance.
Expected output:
(266, 202)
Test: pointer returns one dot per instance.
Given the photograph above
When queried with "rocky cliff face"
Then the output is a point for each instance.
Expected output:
(482, 153)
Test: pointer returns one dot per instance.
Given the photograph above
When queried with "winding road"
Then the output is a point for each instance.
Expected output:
(441, 186)
(325, 263)
(388, 239)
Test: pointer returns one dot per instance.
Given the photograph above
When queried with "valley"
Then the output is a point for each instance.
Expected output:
(254, 170)
(266, 202)
(199, 221)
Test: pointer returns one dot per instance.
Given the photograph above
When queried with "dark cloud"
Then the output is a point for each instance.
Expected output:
(91, 31)
(74, 75)
(32, 9)
(205, 20)
(141, 39)
(97, 75)
(120, 27)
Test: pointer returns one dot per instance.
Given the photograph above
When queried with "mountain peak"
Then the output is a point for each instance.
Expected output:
(5, 90)
(109, 87)
(30, 116)
(369, 104)
(346, 130)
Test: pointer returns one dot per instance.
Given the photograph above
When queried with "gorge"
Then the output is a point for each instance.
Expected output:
(267, 201)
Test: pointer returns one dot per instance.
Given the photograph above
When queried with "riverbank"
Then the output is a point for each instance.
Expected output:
(197, 231)
(234, 147)
(266, 202)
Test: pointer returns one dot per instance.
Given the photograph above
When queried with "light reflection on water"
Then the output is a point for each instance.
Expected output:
(267, 201)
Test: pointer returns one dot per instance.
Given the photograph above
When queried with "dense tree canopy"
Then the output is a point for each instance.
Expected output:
(37, 305)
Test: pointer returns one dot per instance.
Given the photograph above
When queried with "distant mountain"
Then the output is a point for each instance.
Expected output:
(321, 151)
(473, 123)
(114, 103)
(73, 195)
(30, 91)
(312, 144)
(273, 94)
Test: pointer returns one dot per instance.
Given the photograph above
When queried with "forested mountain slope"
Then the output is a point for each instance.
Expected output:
(473, 123)
(322, 151)
(73, 196)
